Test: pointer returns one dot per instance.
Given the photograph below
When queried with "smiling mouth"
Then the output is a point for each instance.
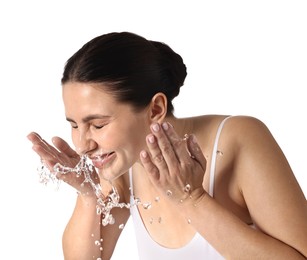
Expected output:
(100, 160)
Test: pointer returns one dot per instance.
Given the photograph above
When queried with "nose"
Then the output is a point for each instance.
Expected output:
(84, 143)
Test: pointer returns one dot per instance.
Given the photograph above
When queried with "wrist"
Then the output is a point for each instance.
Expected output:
(88, 198)
(189, 203)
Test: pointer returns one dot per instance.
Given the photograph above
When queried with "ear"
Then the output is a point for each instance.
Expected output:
(158, 107)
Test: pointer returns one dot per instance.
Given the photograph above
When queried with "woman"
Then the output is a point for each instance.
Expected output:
(219, 186)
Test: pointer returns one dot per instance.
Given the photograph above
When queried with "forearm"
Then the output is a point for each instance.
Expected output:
(82, 230)
(233, 238)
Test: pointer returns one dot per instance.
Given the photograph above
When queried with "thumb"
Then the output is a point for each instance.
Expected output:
(196, 152)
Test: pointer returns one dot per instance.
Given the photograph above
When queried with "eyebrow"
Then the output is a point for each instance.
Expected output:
(88, 118)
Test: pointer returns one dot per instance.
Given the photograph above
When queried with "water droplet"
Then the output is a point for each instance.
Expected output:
(146, 205)
(185, 137)
(157, 199)
(121, 226)
(189, 221)
(169, 193)
(187, 188)
(137, 201)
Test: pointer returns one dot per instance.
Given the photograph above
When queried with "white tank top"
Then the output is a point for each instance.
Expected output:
(197, 249)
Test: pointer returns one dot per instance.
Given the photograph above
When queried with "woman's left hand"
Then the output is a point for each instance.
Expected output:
(175, 165)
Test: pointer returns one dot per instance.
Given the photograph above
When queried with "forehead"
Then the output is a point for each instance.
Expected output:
(85, 97)
(83, 90)
(86, 92)
(82, 100)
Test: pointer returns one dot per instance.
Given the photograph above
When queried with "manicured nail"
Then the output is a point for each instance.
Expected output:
(151, 139)
(156, 127)
(144, 154)
(165, 126)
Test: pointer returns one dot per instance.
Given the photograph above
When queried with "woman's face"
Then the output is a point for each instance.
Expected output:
(112, 134)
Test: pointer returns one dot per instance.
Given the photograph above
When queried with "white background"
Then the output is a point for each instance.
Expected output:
(243, 57)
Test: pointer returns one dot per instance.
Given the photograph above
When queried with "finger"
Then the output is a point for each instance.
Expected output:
(149, 166)
(166, 148)
(64, 147)
(177, 143)
(37, 141)
(157, 157)
(34, 137)
(48, 154)
(48, 158)
(196, 152)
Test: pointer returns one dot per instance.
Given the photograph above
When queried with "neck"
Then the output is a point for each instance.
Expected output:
(182, 126)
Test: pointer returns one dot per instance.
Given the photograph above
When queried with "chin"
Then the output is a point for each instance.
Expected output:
(108, 175)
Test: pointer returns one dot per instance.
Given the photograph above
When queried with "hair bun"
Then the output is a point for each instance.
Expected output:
(173, 66)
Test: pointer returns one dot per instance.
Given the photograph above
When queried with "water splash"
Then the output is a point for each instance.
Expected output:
(169, 193)
(46, 177)
(105, 203)
(85, 168)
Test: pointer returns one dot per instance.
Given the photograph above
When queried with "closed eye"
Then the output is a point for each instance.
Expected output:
(98, 126)
(73, 125)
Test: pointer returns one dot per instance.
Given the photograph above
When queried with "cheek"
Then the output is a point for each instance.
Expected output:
(131, 140)
(113, 138)
(137, 139)
(76, 140)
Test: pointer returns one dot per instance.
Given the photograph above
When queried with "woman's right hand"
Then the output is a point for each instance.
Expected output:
(62, 153)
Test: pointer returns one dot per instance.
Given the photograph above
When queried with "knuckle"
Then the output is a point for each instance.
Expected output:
(158, 158)
(167, 149)
(153, 170)
(177, 143)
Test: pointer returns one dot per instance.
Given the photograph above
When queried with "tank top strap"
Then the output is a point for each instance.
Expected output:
(213, 157)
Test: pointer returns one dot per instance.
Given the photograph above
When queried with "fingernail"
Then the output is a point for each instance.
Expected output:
(165, 126)
(156, 127)
(151, 139)
(144, 154)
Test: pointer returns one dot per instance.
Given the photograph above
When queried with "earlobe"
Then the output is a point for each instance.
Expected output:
(158, 107)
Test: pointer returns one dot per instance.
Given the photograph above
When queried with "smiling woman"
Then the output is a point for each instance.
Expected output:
(242, 58)
(92, 119)
(202, 180)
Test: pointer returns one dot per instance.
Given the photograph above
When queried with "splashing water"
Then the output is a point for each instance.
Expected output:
(46, 177)
(85, 167)
(105, 203)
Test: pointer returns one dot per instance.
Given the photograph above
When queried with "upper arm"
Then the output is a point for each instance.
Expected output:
(273, 196)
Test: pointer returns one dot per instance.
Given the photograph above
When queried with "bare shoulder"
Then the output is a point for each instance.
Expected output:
(237, 130)
(252, 142)
(245, 127)
(255, 151)
(246, 132)
(269, 187)
(240, 122)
